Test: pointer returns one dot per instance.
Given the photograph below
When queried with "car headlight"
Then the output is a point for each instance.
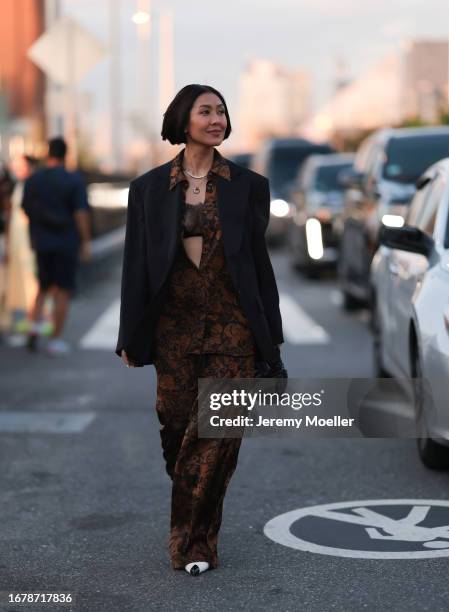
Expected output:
(314, 238)
(279, 208)
(393, 220)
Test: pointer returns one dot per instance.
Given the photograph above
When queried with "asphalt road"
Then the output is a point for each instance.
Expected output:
(85, 498)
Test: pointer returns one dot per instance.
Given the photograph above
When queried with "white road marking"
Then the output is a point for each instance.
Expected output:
(103, 333)
(44, 422)
(405, 530)
(298, 327)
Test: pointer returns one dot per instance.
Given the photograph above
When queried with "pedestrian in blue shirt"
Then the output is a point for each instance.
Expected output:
(55, 201)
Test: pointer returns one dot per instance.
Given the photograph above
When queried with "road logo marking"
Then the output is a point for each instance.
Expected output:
(367, 529)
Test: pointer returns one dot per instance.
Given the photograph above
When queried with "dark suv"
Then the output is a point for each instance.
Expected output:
(378, 191)
(279, 159)
(317, 200)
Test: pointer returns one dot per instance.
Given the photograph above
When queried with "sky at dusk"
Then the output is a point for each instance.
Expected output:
(215, 41)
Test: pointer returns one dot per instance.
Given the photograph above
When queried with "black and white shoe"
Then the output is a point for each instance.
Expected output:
(196, 567)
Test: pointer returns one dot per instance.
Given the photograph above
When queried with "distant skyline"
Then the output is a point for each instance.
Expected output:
(214, 43)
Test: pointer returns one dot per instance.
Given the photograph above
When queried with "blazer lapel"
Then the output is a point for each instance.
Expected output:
(232, 199)
(163, 209)
(162, 217)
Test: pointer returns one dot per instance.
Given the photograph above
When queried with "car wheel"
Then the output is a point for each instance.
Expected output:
(311, 272)
(380, 371)
(433, 455)
(296, 262)
(350, 302)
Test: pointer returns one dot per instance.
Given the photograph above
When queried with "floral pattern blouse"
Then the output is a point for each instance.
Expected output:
(201, 313)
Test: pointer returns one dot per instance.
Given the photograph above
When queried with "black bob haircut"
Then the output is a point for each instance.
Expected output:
(176, 117)
(57, 148)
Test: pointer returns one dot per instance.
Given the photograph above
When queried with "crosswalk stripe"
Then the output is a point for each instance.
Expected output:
(44, 422)
(103, 333)
(298, 327)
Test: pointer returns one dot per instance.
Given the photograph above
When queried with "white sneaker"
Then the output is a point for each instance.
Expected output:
(57, 346)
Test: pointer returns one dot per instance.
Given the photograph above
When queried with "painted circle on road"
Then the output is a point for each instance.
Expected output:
(367, 529)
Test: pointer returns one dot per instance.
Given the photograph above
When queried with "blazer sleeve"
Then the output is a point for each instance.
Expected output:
(135, 292)
(267, 283)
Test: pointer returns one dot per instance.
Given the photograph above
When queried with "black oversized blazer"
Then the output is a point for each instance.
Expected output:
(153, 233)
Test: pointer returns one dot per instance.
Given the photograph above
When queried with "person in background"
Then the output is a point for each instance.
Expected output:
(55, 201)
(20, 282)
(6, 189)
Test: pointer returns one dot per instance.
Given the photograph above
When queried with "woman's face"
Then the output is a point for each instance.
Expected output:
(207, 121)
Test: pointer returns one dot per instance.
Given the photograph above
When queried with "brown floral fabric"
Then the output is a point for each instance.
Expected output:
(202, 332)
(202, 313)
(200, 468)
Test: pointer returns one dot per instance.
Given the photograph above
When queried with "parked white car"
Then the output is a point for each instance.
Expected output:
(410, 277)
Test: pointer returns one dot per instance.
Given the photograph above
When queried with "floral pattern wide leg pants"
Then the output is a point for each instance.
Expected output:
(200, 468)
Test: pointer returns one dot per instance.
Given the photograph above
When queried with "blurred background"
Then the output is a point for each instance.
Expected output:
(300, 78)
(103, 75)
(344, 106)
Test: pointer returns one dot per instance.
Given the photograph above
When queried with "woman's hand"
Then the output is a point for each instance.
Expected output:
(126, 361)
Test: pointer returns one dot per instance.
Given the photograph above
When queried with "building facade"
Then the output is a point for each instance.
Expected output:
(272, 101)
(408, 85)
(21, 82)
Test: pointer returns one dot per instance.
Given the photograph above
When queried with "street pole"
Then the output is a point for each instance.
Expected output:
(54, 90)
(70, 123)
(114, 84)
(166, 61)
(142, 18)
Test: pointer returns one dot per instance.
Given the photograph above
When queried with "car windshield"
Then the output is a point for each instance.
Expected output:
(326, 177)
(285, 162)
(408, 158)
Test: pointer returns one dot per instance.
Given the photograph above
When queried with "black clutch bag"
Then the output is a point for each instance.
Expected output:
(271, 369)
(275, 369)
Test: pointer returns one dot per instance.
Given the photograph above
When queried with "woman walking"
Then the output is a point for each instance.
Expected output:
(198, 299)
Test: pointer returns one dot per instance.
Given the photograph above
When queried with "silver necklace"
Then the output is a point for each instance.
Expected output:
(193, 176)
(195, 190)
